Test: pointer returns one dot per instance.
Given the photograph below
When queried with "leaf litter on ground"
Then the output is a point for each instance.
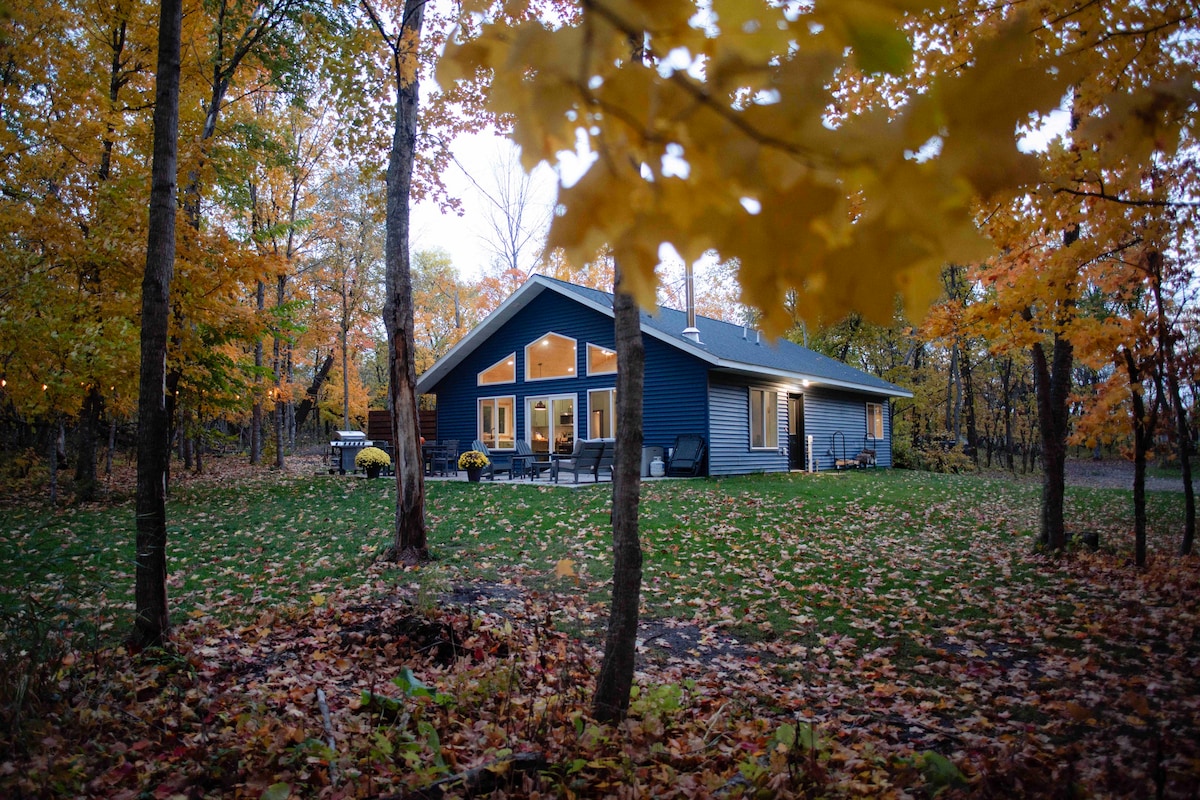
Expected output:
(886, 634)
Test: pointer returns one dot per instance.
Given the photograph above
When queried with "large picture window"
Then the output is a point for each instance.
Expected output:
(875, 420)
(601, 360)
(552, 356)
(602, 414)
(764, 420)
(496, 422)
(503, 371)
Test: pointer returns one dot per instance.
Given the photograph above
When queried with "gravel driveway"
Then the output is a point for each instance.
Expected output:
(1118, 474)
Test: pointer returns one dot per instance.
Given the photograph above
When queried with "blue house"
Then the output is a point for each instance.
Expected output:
(542, 368)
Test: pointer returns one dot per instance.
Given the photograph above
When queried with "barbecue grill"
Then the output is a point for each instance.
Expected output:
(345, 447)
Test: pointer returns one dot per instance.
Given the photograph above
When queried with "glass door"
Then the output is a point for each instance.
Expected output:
(551, 423)
(563, 423)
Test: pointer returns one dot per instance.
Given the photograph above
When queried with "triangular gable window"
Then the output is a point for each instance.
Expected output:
(503, 371)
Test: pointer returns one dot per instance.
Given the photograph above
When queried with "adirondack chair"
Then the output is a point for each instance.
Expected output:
(496, 463)
(527, 462)
(687, 458)
(585, 459)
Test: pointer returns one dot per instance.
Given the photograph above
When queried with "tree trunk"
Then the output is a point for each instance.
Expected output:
(53, 455)
(1053, 386)
(1143, 436)
(151, 621)
(280, 295)
(1170, 368)
(256, 414)
(1007, 406)
(953, 394)
(616, 671)
(112, 445)
(409, 544)
(1185, 463)
(968, 402)
(345, 336)
(87, 435)
(311, 395)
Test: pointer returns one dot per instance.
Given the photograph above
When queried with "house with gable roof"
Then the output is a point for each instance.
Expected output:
(542, 368)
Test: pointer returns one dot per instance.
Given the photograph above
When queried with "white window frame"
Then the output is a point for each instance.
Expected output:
(554, 427)
(511, 359)
(769, 413)
(531, 359)
(605, 351)
(495, 405)
(874, 414)
(612, 420)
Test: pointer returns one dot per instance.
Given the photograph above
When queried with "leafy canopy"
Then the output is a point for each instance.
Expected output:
(719, 128)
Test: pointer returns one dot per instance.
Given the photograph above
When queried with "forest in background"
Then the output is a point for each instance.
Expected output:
(276, 337)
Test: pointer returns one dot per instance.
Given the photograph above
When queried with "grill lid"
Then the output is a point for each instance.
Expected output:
(349, 436)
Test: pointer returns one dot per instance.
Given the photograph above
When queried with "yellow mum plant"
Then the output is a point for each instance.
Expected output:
(472, 459)
(371, 457)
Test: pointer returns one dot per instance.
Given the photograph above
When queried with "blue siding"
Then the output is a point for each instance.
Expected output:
(675, 395)
(681, 397)
(675, 383)
(729, 451)
(827, 411)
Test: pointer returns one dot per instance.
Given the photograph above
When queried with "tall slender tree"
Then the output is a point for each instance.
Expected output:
(409, 541)
(615, 681)
(151, 621)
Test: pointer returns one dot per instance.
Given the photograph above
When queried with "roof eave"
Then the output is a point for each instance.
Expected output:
(808, 380)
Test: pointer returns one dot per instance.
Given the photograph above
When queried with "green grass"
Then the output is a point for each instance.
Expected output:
(874, 556)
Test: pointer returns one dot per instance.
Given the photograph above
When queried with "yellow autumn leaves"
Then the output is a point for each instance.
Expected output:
(849, 212)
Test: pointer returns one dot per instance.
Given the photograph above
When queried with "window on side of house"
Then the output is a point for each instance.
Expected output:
(602, 414)
(875, 420)
(601, 360)
(496, 422)
(551, 356)
(503, 371)
(764, 420)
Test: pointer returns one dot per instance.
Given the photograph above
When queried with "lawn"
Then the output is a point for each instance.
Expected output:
(882, 633)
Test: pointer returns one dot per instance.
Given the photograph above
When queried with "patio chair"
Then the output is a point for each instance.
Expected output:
(527, 462)
(585, 458)
(496, 463)
(687, 458)
(445, 458)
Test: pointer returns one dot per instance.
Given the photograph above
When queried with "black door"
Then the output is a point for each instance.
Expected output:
(796, 459)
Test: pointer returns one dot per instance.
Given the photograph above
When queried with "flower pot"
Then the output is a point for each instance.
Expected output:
(373, 472)
(474, 474)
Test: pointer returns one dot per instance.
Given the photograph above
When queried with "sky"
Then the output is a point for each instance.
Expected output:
(465, 237)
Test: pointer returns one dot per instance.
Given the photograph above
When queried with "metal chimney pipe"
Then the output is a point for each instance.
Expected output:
(689, 288)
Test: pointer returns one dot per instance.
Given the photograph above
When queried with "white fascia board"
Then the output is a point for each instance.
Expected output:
(477, 335)
(813, 380)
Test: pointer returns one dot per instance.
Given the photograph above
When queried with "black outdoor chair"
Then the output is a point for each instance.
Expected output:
(527, 462)
(687, 458)
(588, 458)
(502, 463)
(445, 458)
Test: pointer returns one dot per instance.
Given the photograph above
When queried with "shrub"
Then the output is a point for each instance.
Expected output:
(938, 459)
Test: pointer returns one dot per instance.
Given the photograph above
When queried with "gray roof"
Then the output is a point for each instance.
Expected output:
(725, 346)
